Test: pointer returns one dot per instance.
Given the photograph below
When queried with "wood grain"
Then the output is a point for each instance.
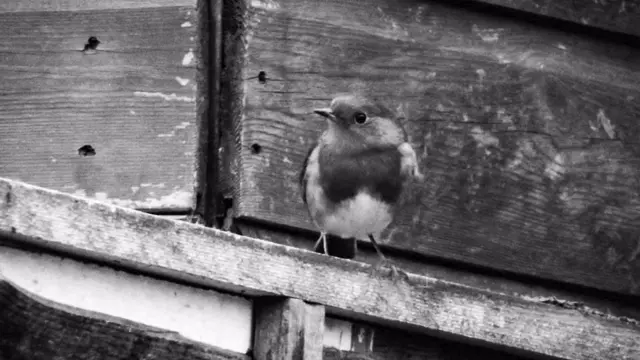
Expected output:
(78, 5)
(619, 16)
(36, 328)
(401, 345)
(527, 135)
(132, 100)
(497, 282)
(288, 329)
(212, 258)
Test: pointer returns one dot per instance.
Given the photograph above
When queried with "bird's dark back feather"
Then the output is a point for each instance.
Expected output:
(375, 169)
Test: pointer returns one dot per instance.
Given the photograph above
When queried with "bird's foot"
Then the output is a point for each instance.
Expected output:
(395, 274)
(322, 240)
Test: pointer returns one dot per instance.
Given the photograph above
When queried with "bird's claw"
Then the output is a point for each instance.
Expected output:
(396, 274)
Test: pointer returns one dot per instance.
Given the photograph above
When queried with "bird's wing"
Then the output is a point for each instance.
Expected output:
(302, 177)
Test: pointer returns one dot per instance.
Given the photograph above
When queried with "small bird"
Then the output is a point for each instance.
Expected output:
(352, 178)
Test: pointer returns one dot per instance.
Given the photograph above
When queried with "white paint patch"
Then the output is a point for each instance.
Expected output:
(337, 334)
(101, 196)
(555, 168)
(170, 97)
(265, 4)
(287, 161)
(183, 125)
(561, 46)
(80, 193)
(606, 124)
(54, 160)
(186, 24)
(481, 74)
(201, 315)
(182, 81)
(178, 199)
(484, 138)
(188, 58)
(132, 112)
(487, 35)
(191, 38)
(465, 117)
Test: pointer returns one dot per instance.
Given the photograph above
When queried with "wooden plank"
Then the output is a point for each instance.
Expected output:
(620, 16)
(527, 134)
(288, 329)
(132, 101)
(392, 344)
(493, 282)
(37, 328)
(205, 316)
(78, 5)
(213, 258)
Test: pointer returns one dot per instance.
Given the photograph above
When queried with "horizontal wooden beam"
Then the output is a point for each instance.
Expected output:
(619, 16)
(215, 258)
(36, 328)
(205, 316)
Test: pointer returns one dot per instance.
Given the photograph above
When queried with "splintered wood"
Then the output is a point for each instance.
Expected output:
(212, 258)
(527, 135)
(116, 122)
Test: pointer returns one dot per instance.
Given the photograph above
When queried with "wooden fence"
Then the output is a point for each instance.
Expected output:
(522, 242)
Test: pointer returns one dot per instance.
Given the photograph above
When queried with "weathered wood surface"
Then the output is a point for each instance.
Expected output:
(620, 16)
(401, 345)
(527, 135)
(36, 328)
(132, 100)
(213, 258)
(592, 302)
(288, 329)
(205, 316)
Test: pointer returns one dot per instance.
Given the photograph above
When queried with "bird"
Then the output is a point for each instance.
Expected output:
(354, 174)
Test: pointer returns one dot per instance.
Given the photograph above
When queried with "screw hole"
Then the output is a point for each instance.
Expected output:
(262, 77)
(87, 150)
(92, 44)
(256, 148)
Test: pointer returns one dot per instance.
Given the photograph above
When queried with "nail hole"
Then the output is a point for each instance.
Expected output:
(86, 150)
(262, 77)
(92, 44)
(256, 148)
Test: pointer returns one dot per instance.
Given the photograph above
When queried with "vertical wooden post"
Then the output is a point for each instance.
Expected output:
(288, 329)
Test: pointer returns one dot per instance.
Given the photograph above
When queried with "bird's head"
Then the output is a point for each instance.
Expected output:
(362, 119)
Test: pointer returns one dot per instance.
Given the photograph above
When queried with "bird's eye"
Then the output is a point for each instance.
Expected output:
(360, 118)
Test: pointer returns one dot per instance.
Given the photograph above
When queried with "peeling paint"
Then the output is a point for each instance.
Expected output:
(182, 81)
(484, 138)
(487, 35)
(556, 168)
(186, 24)
(169, 97)
(188, 58)
(265, 4)
(183, 125)
(606, 124)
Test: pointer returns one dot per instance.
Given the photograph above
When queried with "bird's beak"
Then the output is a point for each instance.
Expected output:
(326, 112)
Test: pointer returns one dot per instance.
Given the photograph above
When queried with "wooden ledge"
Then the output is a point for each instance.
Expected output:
(213, 258)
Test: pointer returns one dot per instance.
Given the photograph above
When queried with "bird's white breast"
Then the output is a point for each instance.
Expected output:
(357, 217)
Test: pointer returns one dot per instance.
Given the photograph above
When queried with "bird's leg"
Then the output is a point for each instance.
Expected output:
(395, 273)
(323, 238)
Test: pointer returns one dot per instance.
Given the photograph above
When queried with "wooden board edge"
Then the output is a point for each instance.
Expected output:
(224, 260)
